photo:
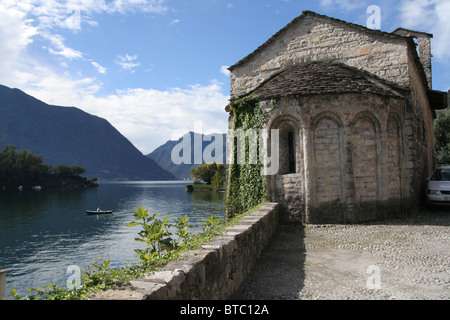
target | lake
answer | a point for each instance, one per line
(43, 232)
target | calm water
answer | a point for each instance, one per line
(43, 232)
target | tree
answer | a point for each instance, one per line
(442, 136)
(207, 171)
(22, 167)
(62, 170)
(27, 169)
(78, 170)
(218, 181)
(68, 171)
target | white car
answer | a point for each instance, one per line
(438, 190)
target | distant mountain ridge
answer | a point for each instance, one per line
(69, 136)
(162, 155)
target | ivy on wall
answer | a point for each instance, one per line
(246, 185)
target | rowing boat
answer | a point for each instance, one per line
(98, 211)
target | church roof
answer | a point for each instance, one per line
(325, 77)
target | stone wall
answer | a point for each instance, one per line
(214, 272)
(423, 48)
(316, 39)
(352, 160)
(290, 196)
(419, 133)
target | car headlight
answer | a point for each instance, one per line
(433, 192)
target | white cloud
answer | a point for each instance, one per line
(70, 13)
(43, 83)
(127, 62)
(148, 117)
(16, 33)
(224, 70)
(175, 21)
(22, 21)
(99, 68)
(121, 6)
(430, 16)
(59, 48)
(343, 5)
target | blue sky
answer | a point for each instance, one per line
(157, 68)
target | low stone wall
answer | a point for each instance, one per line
(214, 272)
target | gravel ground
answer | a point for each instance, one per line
(400, 259)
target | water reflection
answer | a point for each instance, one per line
(43, 232)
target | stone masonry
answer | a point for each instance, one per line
(313, 37)
(354, 117)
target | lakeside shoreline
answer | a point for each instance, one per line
(201, 187)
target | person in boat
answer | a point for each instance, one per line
(98, 210)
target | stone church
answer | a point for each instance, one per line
(354, 109)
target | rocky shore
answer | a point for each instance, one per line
(398, 259)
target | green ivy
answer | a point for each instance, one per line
(246, 185)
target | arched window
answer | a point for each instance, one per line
(287, 148)
(289, 143)
(291, 152)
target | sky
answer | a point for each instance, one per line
(156, 69)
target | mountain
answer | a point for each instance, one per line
(69, 136)
(163, 154)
